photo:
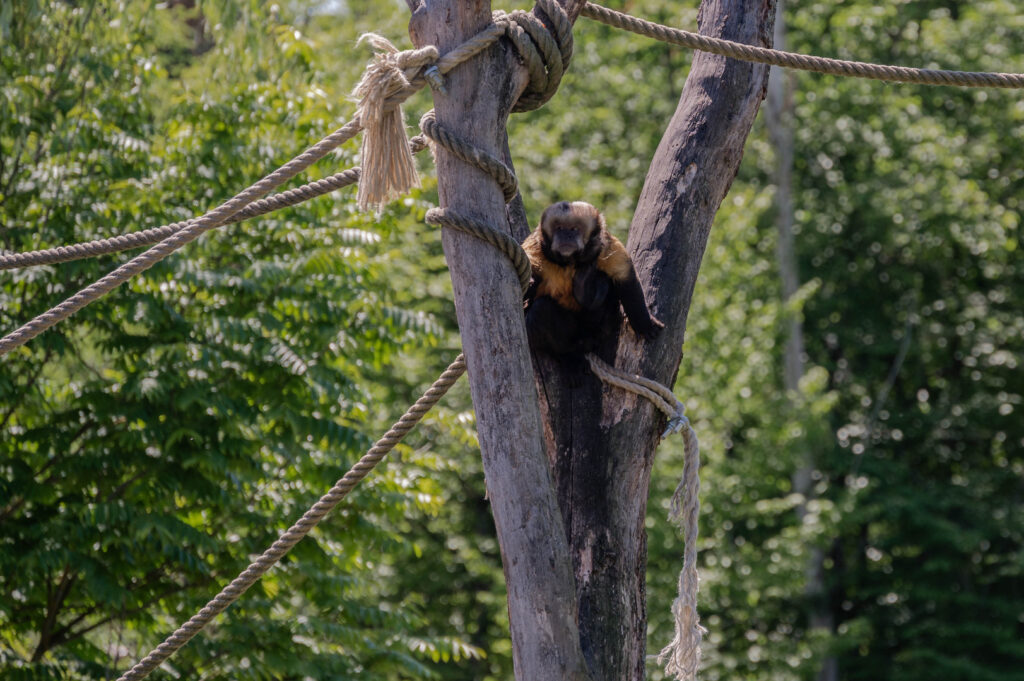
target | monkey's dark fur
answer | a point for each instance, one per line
(581, 274)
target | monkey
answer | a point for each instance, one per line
(580, 275)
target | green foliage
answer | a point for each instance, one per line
(163, 436)
(167, 433)
(910, 214)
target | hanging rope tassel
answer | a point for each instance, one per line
(681, 657)
(388, 169)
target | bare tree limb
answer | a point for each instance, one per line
(600, 440)
(535, 553)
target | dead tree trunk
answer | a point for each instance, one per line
(600, 442)
(488, 303)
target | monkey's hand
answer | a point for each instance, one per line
(590, 287)
(531, 291)
(649, 330)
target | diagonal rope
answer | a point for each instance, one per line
(309, 520)
(210, 220)
(301, 528)
(802, 62)
(146, 237)
(390, 92)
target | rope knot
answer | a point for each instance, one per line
(545, 50)
(388, 168)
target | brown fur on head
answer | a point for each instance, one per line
(580, 276)
(572, 232)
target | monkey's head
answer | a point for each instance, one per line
(571, 232)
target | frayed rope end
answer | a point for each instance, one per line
(388, 170)
(682, 656)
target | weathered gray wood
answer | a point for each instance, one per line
(488, 302)
(601, 441)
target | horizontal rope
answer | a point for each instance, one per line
(301, 528)
(146, 237)
(802, 62)
(210, 220)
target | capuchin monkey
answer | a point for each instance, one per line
(581, 274)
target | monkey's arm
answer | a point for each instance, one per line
(590, 287)
(631, 295)
(615, 262)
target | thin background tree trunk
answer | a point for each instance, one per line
(779, 118)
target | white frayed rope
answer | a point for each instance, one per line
(387, 166)
(681, 657)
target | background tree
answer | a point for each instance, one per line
(919, 537)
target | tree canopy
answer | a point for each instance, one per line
(157, 440)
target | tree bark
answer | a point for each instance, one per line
(600, 443)
(601, 440)
(488, 303)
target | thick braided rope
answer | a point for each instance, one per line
(124, 242)
(226, 210)
(546, 50)
(681, 657)
(301, 528)
(502, 174)
(763, 55)
(446, 217)
(471, 154)
(210, 220)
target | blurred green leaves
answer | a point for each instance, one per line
(153, 444)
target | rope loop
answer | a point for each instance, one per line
(446, 217)
(501, 173)
(545, 50)
(471, 154)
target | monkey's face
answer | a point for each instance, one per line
(568, 230)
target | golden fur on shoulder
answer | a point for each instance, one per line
(552, 280)
(556, 280)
